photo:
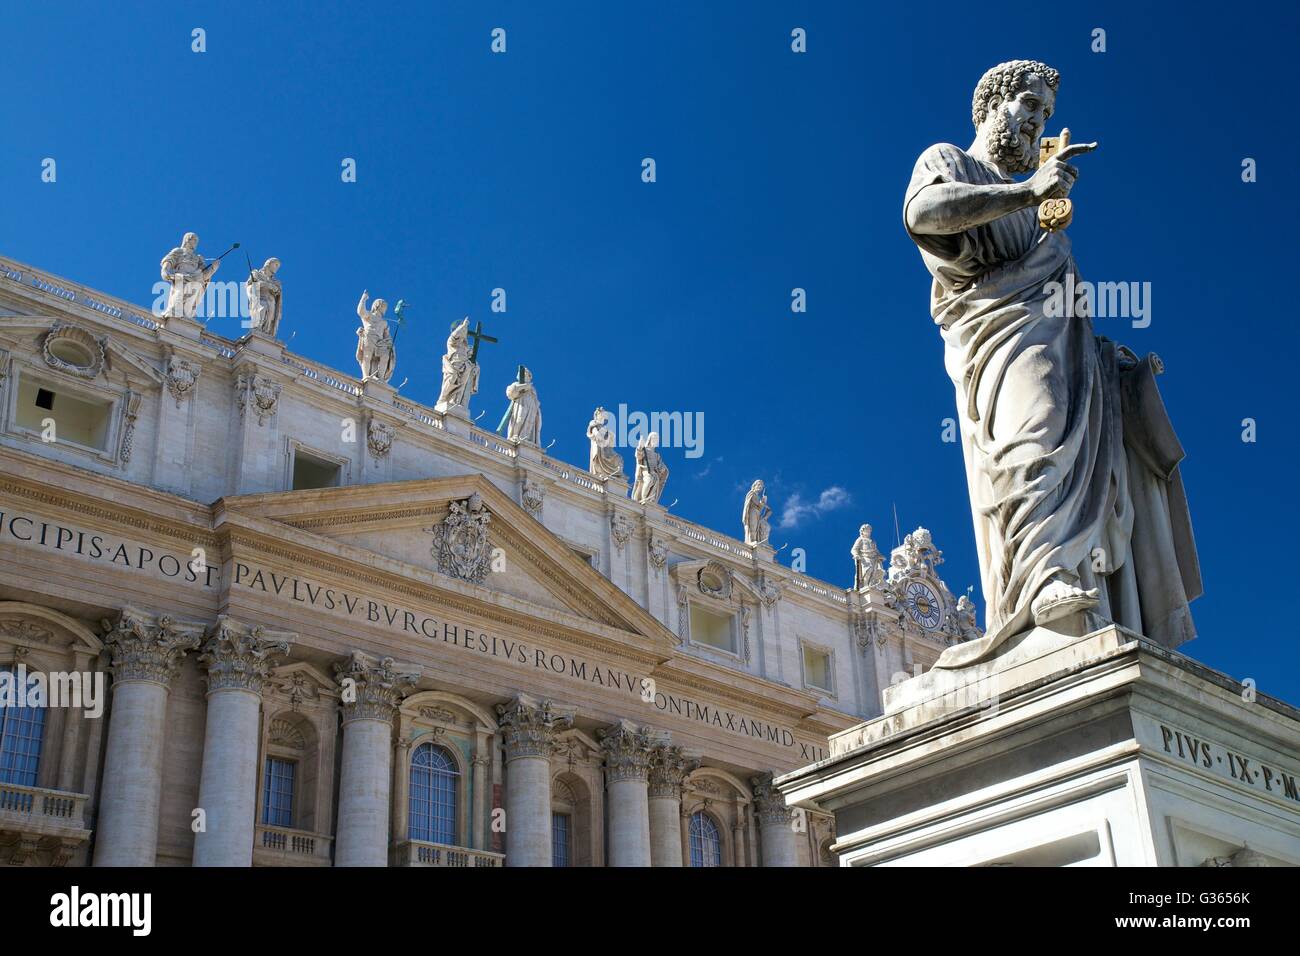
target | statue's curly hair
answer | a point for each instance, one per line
(1006, 80)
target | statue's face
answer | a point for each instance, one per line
(1013, 126)
(271, 266)
(865, 531)
(380, 306)
(190, 241)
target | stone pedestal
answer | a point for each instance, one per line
(146, 654)
(1095, 749)
(237, 658)
(370, 692)
(529, 727)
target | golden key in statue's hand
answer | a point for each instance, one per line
(1056, 212)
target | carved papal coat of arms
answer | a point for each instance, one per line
(460, 542)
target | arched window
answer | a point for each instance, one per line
(706, 841)
(21, 730)
(434, 779)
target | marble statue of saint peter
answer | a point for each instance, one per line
(1071, 462)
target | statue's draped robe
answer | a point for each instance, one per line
(605, 462)
(525, 413)
(459, 374)
(188, 287)
(753, 518)
(375, 350)
(1070, 459)
(264, 301)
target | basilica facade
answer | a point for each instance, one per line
(256, 611)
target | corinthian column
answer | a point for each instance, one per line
(627, 766)
(145, 655)
(668, 768)
(237, 657)
(774, 817)
(529, 727)
(371, 691)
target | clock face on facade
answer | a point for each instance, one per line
(923, 605)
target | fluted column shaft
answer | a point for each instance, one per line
(146, 654)
(237, 658)
(529, 727)
(370, 693)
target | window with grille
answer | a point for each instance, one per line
(560, 830)
(706, 841)
(434, 777)
(277, 792)
(21, 732)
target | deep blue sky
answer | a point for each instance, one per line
(775, 170)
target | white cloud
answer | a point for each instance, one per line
(796, 510)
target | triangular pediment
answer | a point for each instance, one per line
(403, 522)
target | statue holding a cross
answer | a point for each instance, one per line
(460, 369)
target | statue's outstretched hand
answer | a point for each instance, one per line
(1056, 177)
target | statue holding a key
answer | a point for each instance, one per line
(1071, 462)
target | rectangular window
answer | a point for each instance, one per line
(309, 472)
(712, 629)
(277, 792)
(21, 731)
(817, 669)
(81, 421)
(559, 839)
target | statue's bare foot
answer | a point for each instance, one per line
(1058, 600)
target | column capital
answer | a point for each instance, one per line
(627, 748)
(669, 768)
(529, 726)
(372, 688)
(148, 647)
(769, 802)
(238, 655)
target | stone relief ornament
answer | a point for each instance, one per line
(144, 647)
(769, 592)
(605, 462)
(868, 562)
(651, 472)
(71, 349)
(259, 394)
(375, 352)
(1072, 462)
(237, 655)
(438, 713)
(371, 689)
(620, 529)
(460, 542)
(284, 734)
(656, 551)
(265, 300)
(529, 726)
(754, 515)
(715, 580)
(130, 413)
(459, 371)
(533, 496)
(188, 275)
(628, 748)
(182, 376)
(379, 438)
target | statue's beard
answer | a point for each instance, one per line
(1008, 148)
